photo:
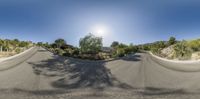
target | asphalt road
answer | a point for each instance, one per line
(43, 75)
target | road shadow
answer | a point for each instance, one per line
(149, 91)
(131, 57)
(41, 50)
(77, 73)
(33, 92)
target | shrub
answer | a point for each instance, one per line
(17, 50)
(59, 51)
(194, 45)
(66, 53)
(90, 44)
(120, 52)
(59, 42)
(155, 50)
(182, 51)
(172, 40)
(75, 52)
(114, 44)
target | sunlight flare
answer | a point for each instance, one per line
(100, 30)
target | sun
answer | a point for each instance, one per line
(100, 30)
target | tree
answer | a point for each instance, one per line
(23, 44)
(53, 45)
(60, 42)
(90, 44)
(172, 40)
(114, 44)
(132, 48)
(46, 45)
(39, 43)
(15, 43)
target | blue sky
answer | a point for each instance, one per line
(127, 21)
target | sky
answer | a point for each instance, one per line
(126, 21)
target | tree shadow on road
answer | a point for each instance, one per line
(150, 91)
(131, 57)
(76, 73)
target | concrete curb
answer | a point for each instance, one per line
(14, 56)
(10, 62)
(185, 66)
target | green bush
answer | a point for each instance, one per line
(17, 50)
(130, 49)
(172, 40)
(182, 51)
(59, 51)
(194, 45)
(155, 50)
(90, 44)
(75, 52)
(66, 54)
(122, 50)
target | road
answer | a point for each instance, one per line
(43, 75)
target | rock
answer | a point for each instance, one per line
(168, 52)
(196, 56)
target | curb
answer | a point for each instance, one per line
(14, 56)
(184, 66)
(10, 62)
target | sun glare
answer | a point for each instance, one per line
(99, 31)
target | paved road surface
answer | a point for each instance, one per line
(43, 75)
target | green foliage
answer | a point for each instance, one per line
(11, 45)
(145, 47)
(153, 46)
(114, 44)
(90, 44)
(122, 50)
(53, 45)
(157, 46)
(39, 44)
(194, 45)
(172, 40)
(59, 42)
(66, 53)
(71, 52)
(182, 51)
(46, 45)
(155, 50)
(59, 51)
(23, 44)
(75, 52)
(17, 50)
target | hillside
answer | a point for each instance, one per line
(184, 50)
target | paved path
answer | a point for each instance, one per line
(47, 76)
